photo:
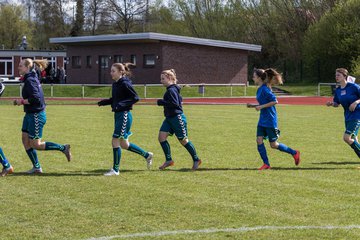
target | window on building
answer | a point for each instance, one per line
(6, 67)
(51, 61)
(133, 59)
(76, 61)
(118, 59)
(149, 60)
(88, 61)
(104, 61)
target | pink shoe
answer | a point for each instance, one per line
(296, 157)
(264, 167)
(167, 164)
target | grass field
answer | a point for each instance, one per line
(74, 201)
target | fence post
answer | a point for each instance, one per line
(145, 90)
(51, 91)
(318, 92)
(231, 90)
(83, 90)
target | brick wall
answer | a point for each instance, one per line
(202, 64)
(95, 74)
(193, 63)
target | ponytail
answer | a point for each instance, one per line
(273, 77)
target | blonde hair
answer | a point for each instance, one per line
(343, 71)
(41, 63)
(170, 74)
(124, 67)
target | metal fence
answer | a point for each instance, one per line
(202, 88)
(330, 89)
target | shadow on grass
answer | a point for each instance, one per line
(255, 169)
(96, 172)
(338, 163)
(100, 172)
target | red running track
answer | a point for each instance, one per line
(293, 100)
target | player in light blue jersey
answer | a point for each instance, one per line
(348, 95)
(268, 126)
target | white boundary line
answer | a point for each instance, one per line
(214, 230)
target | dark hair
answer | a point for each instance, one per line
(273, 76)
(260, 73)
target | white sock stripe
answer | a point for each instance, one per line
(214, 230)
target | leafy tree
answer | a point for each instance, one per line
(51, 20)
(335, 40)
(13, 26)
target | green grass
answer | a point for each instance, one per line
(74, 201)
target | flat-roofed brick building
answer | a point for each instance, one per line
(195, 60)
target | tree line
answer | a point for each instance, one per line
(305, 39)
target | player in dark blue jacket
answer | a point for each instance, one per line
(123, 98)
(348, 95)
(175, 120)
(268, 126)
(7, 168)
(35, 116)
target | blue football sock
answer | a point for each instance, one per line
(117, 157)
(356, 146)
(33, 157)
(54, 146)
(136, 149)
(166, 148)
(263, 154)
(284, 148)
(191, 149)
(3, 159)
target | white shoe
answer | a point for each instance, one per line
(112, 172)
(149, 160)
(35, 171)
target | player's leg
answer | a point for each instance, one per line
(7, 168)
(31, 152)
(36, 127)
(260, 135)
(179, 124)
(125, 122)
(116, 157)
(273, 134)
(165, 131)
(350, 135)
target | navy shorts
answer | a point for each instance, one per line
(268, 133)
(352, 128)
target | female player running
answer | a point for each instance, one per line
(122, 100)
(175, 120)
(348, 95)
(267, 126)
(35, 116)
(7, 168)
